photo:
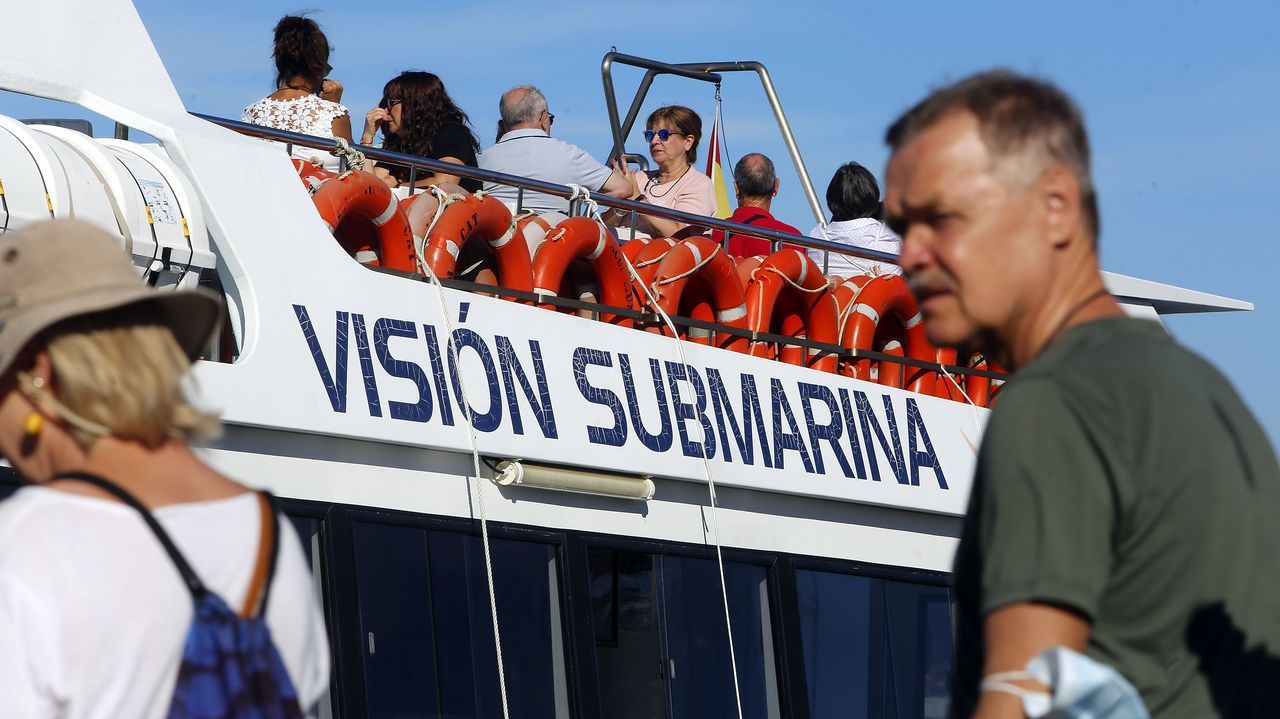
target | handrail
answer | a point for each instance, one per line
(706, 72)
(644, 319)
(551, 188)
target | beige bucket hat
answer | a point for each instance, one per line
(61, 269)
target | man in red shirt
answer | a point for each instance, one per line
(756, 184)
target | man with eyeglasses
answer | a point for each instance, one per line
(525, 148)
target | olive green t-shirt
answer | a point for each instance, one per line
(1121, 476)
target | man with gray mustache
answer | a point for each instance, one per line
(1124, 499)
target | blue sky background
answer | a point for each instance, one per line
(1182, 100)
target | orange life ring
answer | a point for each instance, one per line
(356, 193)
(788, 274)
(645, 255)
(533, 229)
(691, 273)
(877, 297)
(311, 174)
(977, 388)
(886, 373)
(747, 265)
(584, 237)
(479, 216)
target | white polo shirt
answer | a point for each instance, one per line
(535, 154)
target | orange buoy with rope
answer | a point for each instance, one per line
(362, 195)
(747, 265)
(311, 174)
(788, 275)
(645, 255)
(477, 217)
(584, 237)
(860, 315)
(697, 274)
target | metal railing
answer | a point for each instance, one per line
(642, 318)
(550, 188)
(705, 72)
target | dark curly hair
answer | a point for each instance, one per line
(300, 49)
(425, 107)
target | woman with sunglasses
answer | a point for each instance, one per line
(417, 117)
(304, 101)
(673, 133)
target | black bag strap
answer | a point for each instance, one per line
(194, 585)
(193, 582)
(753, 219)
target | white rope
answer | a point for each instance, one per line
(655, 260)
(711, 485)
(443, 200)
(843, 318)
(690, 271)
(344, 150)
(465, 406)
(760, 290)
(582, 195)
(814, 290)
(973, 408)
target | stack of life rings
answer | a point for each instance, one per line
(766, 298)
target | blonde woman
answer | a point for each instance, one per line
(94, 611)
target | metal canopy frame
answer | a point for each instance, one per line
(705, 72)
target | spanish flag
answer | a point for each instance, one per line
(716, 171)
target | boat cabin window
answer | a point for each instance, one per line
(661, 642)
(874, 647)
(425, 624)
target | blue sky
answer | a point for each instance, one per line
(1181, 99)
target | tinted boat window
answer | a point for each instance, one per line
(424, 599)
(918, 649)
(624, 600)
(393, 591)
(835, 630)
(874, 647)
(701, 677)
(661, 643)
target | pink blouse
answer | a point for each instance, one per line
(691, 192)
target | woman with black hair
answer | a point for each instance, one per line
(304, 101)
(854, 200)
(417, 117)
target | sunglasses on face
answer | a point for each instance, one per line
(389, 102)
(663, 135)
(551, 118)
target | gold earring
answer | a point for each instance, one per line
(33, 424)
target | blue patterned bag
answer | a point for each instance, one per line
(230, 668)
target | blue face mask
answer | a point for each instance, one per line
(1081, 688)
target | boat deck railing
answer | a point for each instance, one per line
(640, 317)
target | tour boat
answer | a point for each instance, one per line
(647, 526)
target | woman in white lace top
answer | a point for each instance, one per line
(305, 101)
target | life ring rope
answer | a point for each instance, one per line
(698, 263)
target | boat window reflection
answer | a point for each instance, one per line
(661, 643)
(874, 647)
(424, 618)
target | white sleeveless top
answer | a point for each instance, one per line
(94, 615)
(308, 115)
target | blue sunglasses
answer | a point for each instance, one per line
(663, 134)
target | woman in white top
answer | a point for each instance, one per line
(94, 614)
(854, 200)
(673, 133)
(304, 101)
